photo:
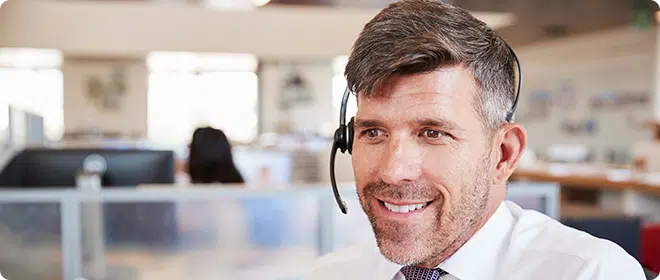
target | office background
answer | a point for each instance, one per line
(132, 80)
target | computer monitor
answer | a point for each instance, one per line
(543, 197)
(57, 168)
(142, 223)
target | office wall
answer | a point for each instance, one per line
(82, 111)
(576, 71)
(111, 110)
(310, 117)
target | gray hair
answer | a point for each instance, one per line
(417, 36)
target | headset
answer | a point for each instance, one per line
(343, 138)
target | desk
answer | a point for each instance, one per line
(212, 264)
(204, 264)
(634, 193)
(590, 180)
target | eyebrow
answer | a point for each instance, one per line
(439, 123)
(360, 123)
(429, 122)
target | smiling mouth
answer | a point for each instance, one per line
(405, 208)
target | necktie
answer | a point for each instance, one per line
(419, 273)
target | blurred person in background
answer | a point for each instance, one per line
(210, 159)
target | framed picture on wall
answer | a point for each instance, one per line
(616, 99)
(108, 91)
(580, 127)
(538, 106)
(566, 97)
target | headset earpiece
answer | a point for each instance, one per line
(350, 131)
(340, 138)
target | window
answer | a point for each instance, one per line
(338, 87)
(32, 81)
(188, 90)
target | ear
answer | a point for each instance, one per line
(512, 139)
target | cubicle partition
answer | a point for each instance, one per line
(229, 233)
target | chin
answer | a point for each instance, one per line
(403, 244)
(404, 253)
(406, 235)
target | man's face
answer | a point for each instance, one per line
(422, 164)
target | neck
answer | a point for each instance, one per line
(494, 203)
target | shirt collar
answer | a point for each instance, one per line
(384, 268)
(478, 257)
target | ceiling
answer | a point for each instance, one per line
(536, 20)
(540, 20)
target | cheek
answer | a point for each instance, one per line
(364, 165)
(450, 170)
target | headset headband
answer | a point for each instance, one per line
(512, 111)
(344, 104)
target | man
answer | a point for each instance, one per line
(432, 154)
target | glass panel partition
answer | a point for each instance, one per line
(352, 228)
(30, 240)
(191, 233)
(170, 235)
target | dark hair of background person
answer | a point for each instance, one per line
(418, 36)
(210, 159)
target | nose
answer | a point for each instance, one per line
(401, 162)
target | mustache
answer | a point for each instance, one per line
(411, 191)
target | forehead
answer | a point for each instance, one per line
(445, 92)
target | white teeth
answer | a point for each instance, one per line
(404, 208)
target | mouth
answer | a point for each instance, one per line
(404, 208)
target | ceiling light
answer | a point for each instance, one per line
(257, 2)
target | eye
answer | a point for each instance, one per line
(372, 133)
(432, 134)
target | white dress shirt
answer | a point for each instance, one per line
(514, 244)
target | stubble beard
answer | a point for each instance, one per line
(408, 244)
